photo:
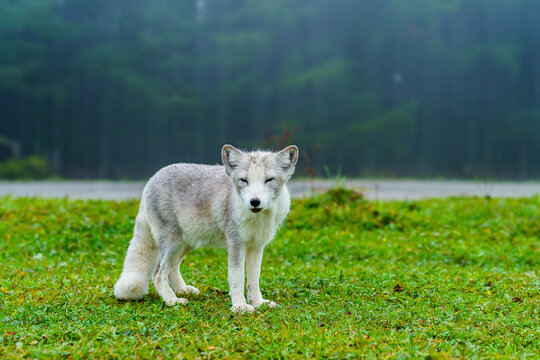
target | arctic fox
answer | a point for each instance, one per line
(239, 205)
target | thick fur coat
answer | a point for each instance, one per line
(239, 205)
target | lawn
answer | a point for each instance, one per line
(444, 278)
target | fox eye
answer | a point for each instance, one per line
(268, 180)
(243, 181)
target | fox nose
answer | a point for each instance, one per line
(255, 202)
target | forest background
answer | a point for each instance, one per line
(422, 88)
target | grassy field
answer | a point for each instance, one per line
(427, 279)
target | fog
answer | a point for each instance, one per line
(426, 88)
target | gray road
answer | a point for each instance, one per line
(373, 189)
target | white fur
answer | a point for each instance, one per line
(187, 206)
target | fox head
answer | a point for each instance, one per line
(258, 177)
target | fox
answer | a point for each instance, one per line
(239, 205)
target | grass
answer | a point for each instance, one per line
(445, 278)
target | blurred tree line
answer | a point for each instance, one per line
(118, 88)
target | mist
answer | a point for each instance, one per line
(426, 88)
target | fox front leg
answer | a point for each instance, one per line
(237, 258)
(253, 264)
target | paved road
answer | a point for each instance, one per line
(373, 189)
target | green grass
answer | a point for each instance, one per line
(436, 279)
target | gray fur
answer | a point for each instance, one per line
(186, 206)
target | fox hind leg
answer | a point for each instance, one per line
(175, 277)
(170, 248)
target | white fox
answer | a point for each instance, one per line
(239, 205)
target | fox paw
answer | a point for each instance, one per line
(270, 304)
(188, 290)
(172, 302)
(241, 309)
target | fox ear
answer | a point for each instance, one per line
(287, 158)
(231, 157)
